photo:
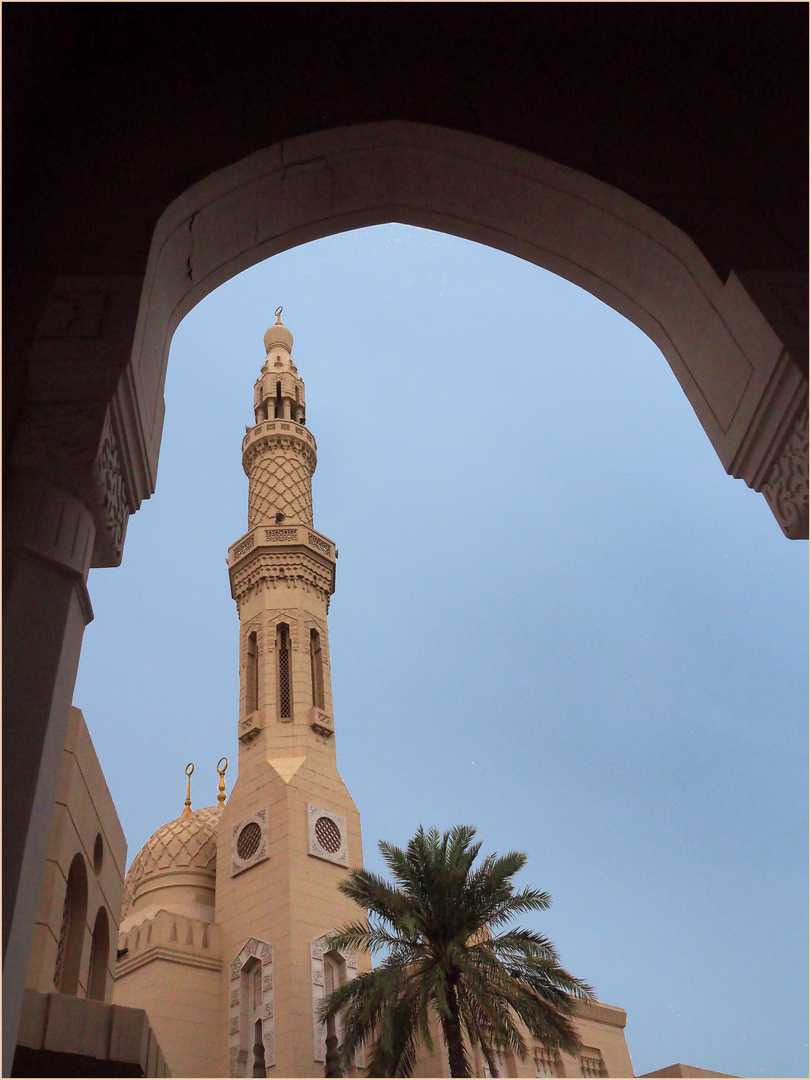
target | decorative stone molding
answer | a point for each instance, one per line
(276, 536)
(82, 426)
(786, 486)
(249, 842)
(174, 938)
(319, 947)
(75, 447)
(267, 569)
(112, 503)
(321, 722)
(319, 544)
(279, 539)
(713, 333)
(263, 952)
(327, 835)
(251, 725)
(50, 523)
(243, 547)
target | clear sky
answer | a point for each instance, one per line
(556, 618)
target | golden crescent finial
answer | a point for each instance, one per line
(187, 808)
(221, 770)
(278, 314)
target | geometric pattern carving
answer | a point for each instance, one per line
(786, 487)
(280, 482)
(319, 544)
(272, 568)
(263, 952)
(111, 503)
(327, 837)
(249, 842)
(318, 948)
(184, 842)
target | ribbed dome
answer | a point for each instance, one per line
(278, 335)
(175, 854)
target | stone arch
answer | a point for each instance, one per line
(322, 952)
(72, 934)
(740, 378)
(257, 955)
(99, 956)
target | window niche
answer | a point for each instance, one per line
(71, 936)
(284, 665)
(99, 957)
(316, 669)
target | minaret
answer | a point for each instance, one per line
(290, 830)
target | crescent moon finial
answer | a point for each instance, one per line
(221, 770)
(187, 808)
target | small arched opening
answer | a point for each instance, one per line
(99, 957)
(72, 932)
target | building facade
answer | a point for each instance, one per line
(227, 910)
(628, 169)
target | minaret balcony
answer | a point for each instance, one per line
(277, 427)
(282, 551)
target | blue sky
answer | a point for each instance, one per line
(556, 618)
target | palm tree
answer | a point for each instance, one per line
(443, 926)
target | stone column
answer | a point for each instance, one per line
(78, 466)
(47, 550)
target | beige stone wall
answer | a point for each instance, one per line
(83, 811)
(289, 898)
(182, 1000)
(601, 1029)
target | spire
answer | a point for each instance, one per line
(187, 808)
(278, 335)
(221, 770)
(279, 452)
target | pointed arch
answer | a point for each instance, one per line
(72, 933)
(747, 391)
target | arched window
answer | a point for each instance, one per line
(317, 669)
(71, 936)
(283, 672)
(252, 1052)
(99, 957)
(252, 674)
(334, 976)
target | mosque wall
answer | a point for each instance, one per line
(87, 842)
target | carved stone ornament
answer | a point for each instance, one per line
(261, 950)
(249, 842)
(786, 487)
(113, 504)
(327, 835)
(318, 949)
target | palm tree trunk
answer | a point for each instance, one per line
(452, 1028)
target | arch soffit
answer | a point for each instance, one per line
(727, 358)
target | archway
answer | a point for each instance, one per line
(72, 934)
(740, 379)
(747, 391)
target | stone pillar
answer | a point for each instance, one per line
(47, 550)
(80, 463)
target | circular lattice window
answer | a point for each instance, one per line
(328, 835)
(248, 840)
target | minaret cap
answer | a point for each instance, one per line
(278, 334)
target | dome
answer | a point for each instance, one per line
(278, 335)
(176, 868)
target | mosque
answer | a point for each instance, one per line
(222, 954)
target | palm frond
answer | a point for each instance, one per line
(451, 953)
